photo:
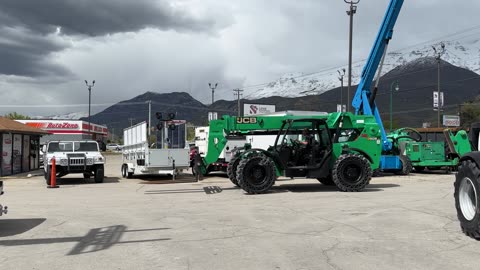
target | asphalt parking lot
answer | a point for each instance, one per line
(406, 222)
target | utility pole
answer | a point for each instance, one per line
(340, 77)
(397, 87)
(89, 86)
(149, 118)
(213, 87)
(238, 93)
(438, 56)
(350, 12)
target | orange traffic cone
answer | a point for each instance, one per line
(53, 175)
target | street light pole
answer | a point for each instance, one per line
(89, 103)
(350, 12)
(340, 77)
(438, 56)
(397, 87)
(213, 87)
(149, 118)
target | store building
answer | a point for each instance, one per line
(20, 147)
(68, 130)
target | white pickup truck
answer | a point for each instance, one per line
(3, 209)
(74, 157)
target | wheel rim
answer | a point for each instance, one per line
(257, 174)
(352, 173)
(468, 199)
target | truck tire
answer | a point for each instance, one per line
(406, 166)
(48, 174)
(327, 181)
(124, 171)
(351, 172)
(99, 174)
(467, 201)
(256, 174)
(232, 170)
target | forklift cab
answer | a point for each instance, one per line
(301, 156)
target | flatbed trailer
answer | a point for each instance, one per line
(138, 158)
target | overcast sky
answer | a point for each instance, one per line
(49, 47)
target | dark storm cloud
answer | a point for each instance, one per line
(32, 30)
(24, 53)
(94, 18)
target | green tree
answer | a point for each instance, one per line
(470, 112)
(17, 116)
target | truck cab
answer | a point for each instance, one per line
(74, 157)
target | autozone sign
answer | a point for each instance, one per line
(64, 125)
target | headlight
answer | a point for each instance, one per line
(89, 161)
(99, 159)
(63, 162)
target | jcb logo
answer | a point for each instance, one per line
(246, 120)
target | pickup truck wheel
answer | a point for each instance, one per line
(47, 175)
(467, 199)
(351, 172)
(99, 174)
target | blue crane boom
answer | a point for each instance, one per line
(364, 99)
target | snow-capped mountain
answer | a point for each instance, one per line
(69, 116)
(465, 54)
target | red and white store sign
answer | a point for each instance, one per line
(66, 126)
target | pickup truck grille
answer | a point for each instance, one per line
(77, 161)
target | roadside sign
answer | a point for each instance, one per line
(451, 120)
(212, 116)
(438, 99)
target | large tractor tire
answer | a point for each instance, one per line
(232, 170)
(99, 174)
(406, 166)
(327, 181)
(467, 201)
(256, 174)
(351, 172)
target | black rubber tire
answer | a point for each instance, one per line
(419, 168)
(232, 170)
(256, 174)
(406, 166)
(47, 175)
(468, 170)
(327, 181)
(351, 172)
(124, 171)
(99, 174)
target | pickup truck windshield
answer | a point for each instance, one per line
(72, 147)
